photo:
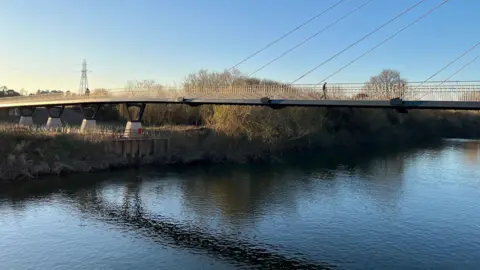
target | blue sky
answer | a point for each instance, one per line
(43, 43)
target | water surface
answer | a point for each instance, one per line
(416, 209)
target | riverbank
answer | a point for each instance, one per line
(312, 203)
(29, 154)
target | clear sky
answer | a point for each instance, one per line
(43, 43)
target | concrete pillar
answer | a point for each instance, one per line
(89, 111)
(54, 114)
(54, 122)
(133, 129)
(89, 122)
(134, 125)
(88, 125)
(26, 114)
(26, 121)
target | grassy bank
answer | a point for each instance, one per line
(239, 134)
(242, 138)
(29, 154)
(295, 127)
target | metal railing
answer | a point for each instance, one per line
(431, 92)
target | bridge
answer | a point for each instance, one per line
(400, 96)
(445, 96)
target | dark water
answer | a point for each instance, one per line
(416, 209)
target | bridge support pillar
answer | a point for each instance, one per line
(134, 125)
(26, 121)
(89, 122)
(88, 125)
(54, 114)
(54, 123)
(398, 103)
(26, 118)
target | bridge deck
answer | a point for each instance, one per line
(447, 105)
(455, 97)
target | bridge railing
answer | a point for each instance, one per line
(444, 92)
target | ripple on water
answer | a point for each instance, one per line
(411, 210)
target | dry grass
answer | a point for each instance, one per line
(236, 133)
(100, 134)
(305, 126)
(28, 152)
(239, 134)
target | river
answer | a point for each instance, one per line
(415, 209)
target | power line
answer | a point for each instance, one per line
(387, 39)
(311, 37)
(287, 34)
(360, 40)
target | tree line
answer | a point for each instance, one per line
(8, 92)
(278, 127)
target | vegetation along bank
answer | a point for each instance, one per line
(217, 134)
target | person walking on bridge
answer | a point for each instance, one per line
(325, 90)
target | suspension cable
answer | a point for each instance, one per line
(452, 62)
(446, 66)
(311, 37)
(461, 69)
(385, 40)
(360, 40)
(287, 34)
(455, 73)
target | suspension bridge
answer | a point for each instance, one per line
(451, 95)
(401, 96)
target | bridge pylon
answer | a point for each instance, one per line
(134, 124)
(54, 114)
(89, 112)
(26, 116)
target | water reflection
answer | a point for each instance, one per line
(158, 228)
(338, 208)
(471, 151)
(242, 195)
(239, 195)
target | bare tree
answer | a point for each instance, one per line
(146, 84)
(204, 79)
(387, 84)
(227, 82)
(3, 90)
(100, 92)
(136, 86)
